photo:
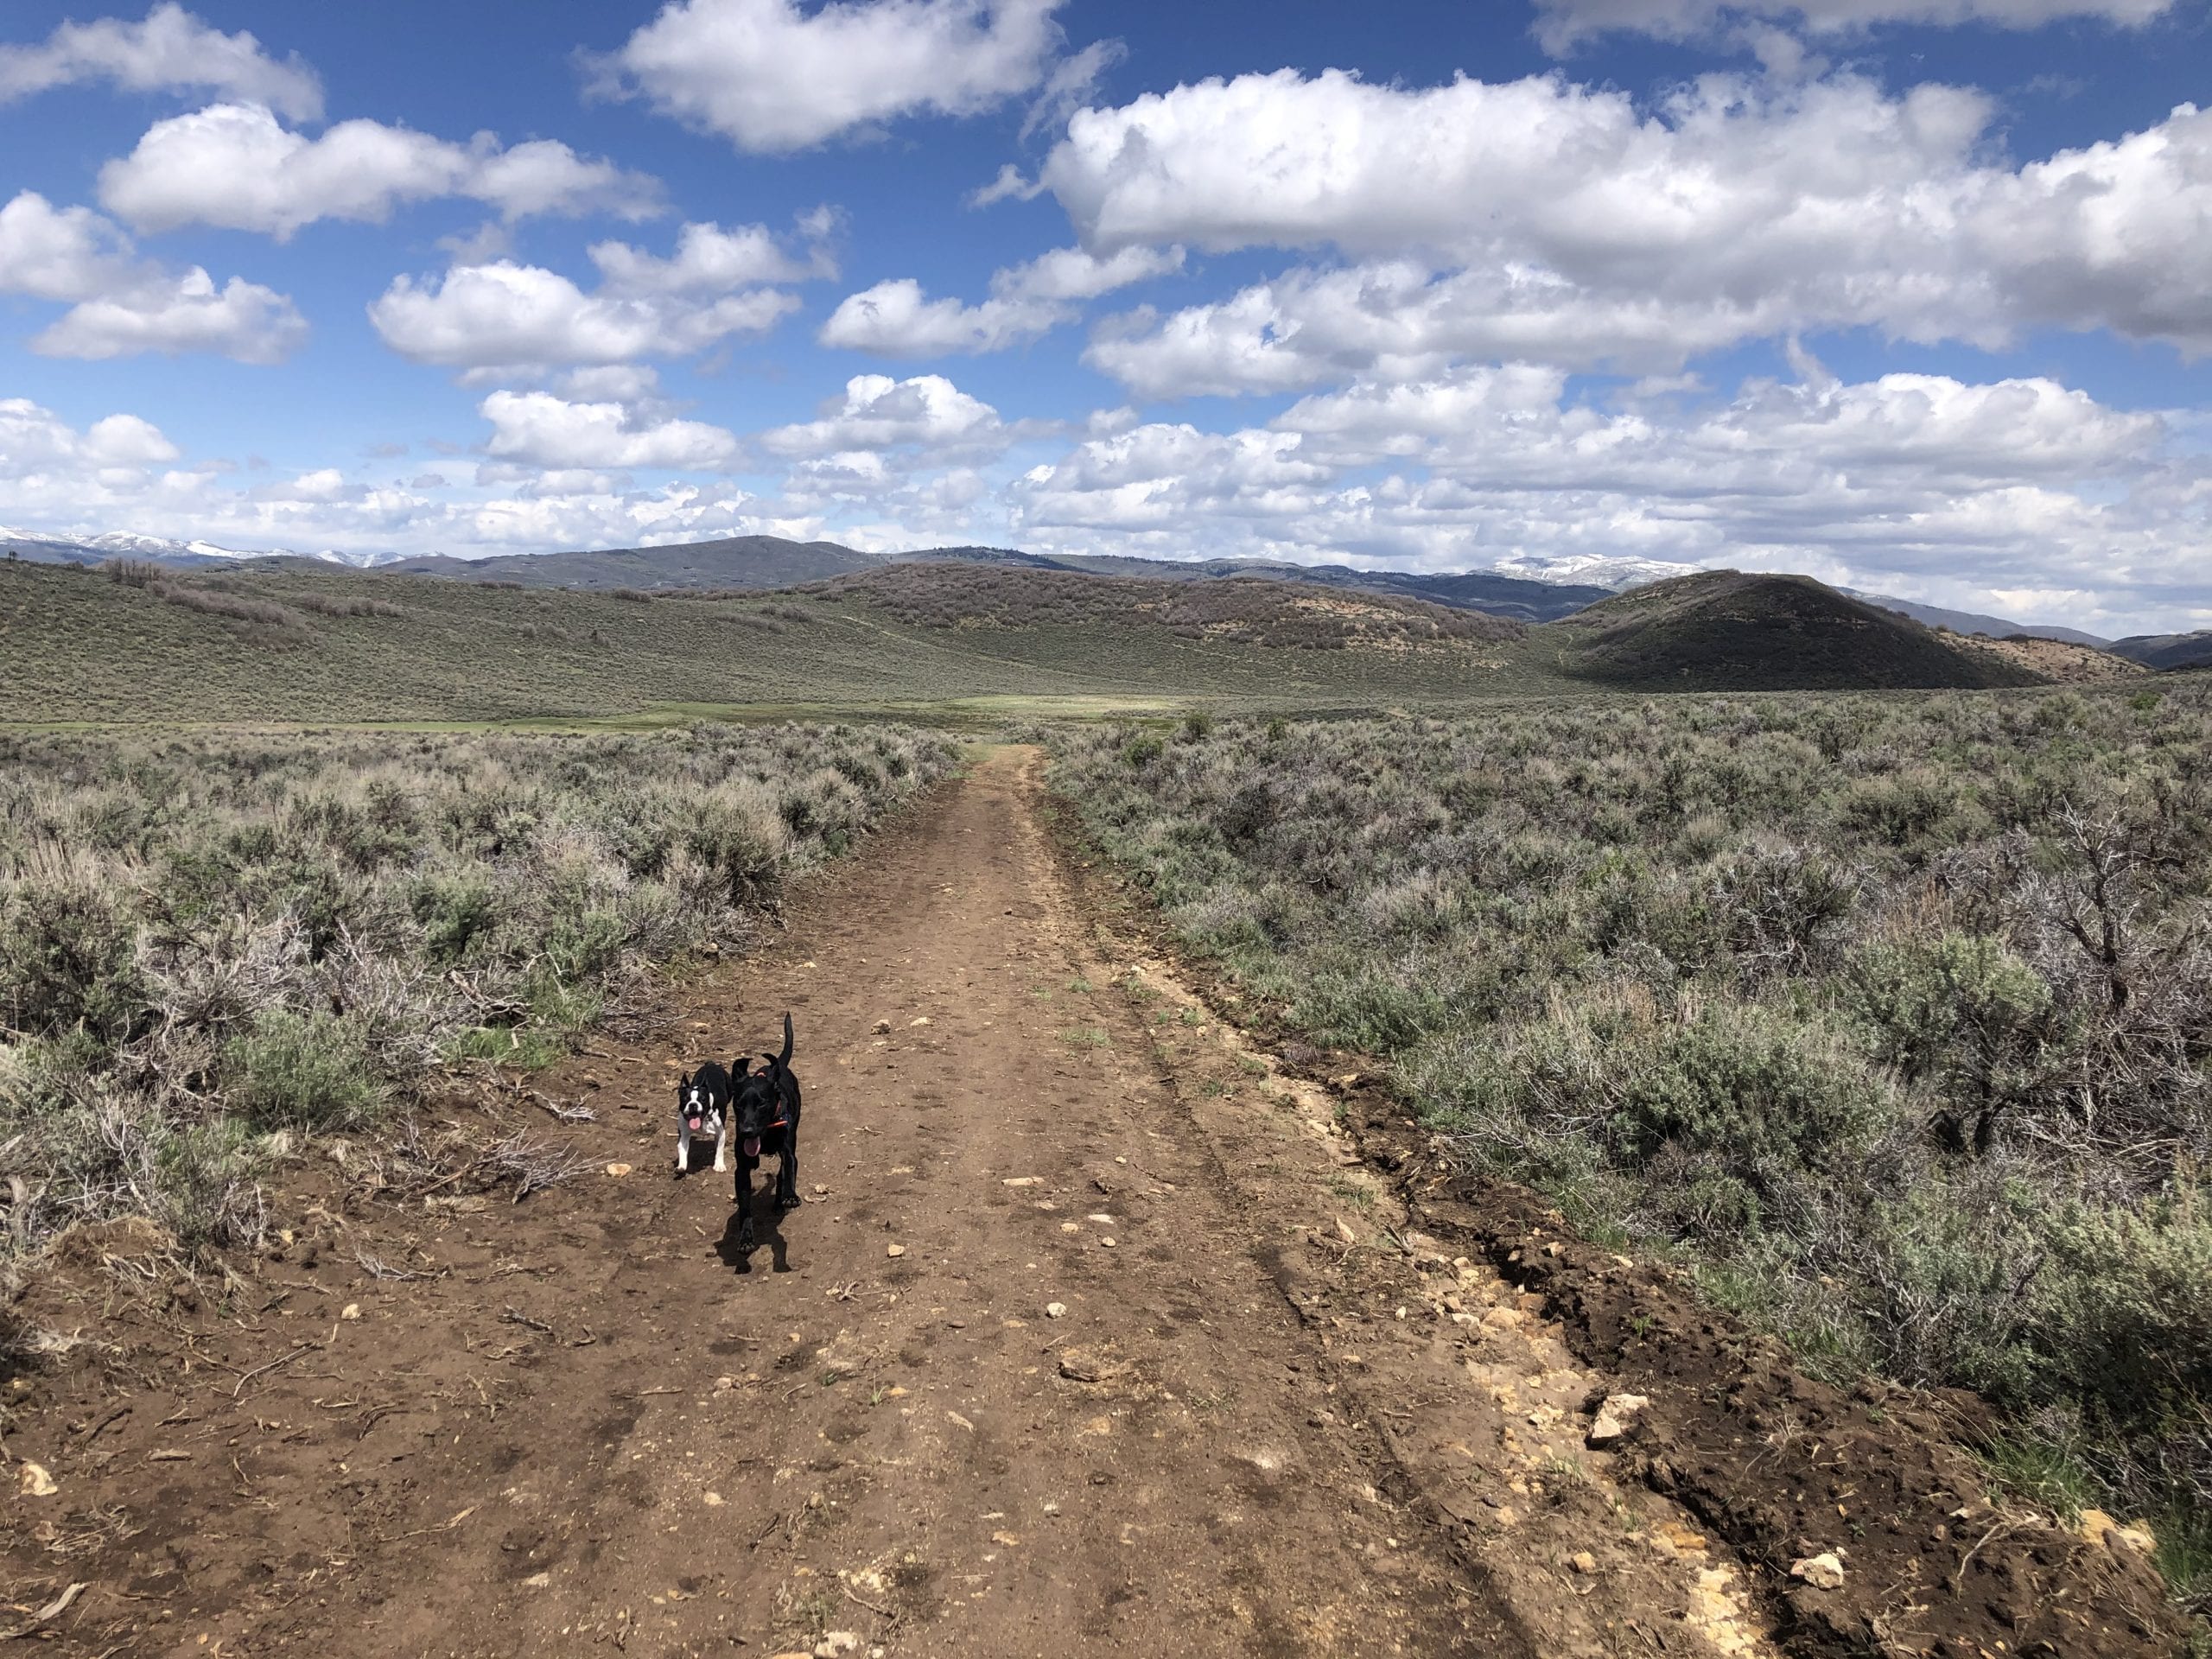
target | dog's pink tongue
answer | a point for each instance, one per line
(753, 1146)
(695, 1123)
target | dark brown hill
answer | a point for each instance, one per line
(2168, 650)
(1730, 630)
(757, 561)
(1245, 610)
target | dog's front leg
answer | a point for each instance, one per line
(721, 1149)
(682, 1147)
(787, 1177)
(744, 1208)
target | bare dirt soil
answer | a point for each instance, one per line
(1103, 1329)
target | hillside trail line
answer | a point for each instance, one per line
(1090, 1338)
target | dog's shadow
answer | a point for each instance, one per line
(767, 1229)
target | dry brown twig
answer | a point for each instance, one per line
(282, 1359)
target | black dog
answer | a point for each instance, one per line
(763, 1117)
(702, 1114)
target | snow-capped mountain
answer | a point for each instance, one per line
(1593, 569)
(122, 543)
(358, 560)
(45, 546)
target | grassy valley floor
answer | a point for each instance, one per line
(310, 646)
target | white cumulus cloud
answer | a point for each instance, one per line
(170, 51)
(542, 430)
(53, 475)
(58, 253)
(508, 316)
(121, 305)
(711, 260)
(1541, 219)
(877, 413)
(771, 76)
(33, 439)
(237, 167)
(240, 320)
(1922, 484)
(898, 318)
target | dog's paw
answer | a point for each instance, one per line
(788, 1200)
(720, 1168)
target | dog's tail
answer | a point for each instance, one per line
(784, 1058)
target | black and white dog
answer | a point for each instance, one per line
(765, 1116)
(702, 1114)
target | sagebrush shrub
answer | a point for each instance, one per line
(2123, 1309)
(204, 940)
(204, 1183)
(459, 913)
(1846, 998)
(1962, 1013)
(744, 837)
(306, 1071)
(67, 959)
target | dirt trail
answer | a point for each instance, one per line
(1268, 1419)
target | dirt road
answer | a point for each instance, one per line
(1096, 1334)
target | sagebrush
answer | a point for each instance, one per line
(207, 943)
(1889, 1017)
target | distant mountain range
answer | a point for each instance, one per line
(116, 545)
(1528, 590)
(2167, 650)
(2151, 649)
(41, 548)
(1594, 571)
(1532, 590)
(756, 562)
(734, 562)
(1993, 628)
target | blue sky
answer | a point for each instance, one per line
(1908, 294)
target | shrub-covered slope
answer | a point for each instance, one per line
(733, 562)
(205, 943)
(2167, 650)
(1249, 610)
(1892, 1016)
(760, 562)
(1724, 630)
(302, 644)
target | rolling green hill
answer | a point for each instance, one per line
(755, 561)
(734, 562)
(1728, 631)
(289, 643)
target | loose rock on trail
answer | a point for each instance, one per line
(1097, 1331)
